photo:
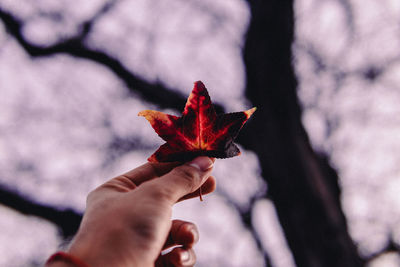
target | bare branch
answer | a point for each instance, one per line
(67, 220)
(390, 247)
(246, 217)
(155, 93)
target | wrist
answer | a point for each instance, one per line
(63, 259)
(110, 249)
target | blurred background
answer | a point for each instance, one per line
(317, 183)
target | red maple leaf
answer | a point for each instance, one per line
(199, 132)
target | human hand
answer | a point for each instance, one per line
(127, 221)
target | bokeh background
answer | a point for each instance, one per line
(317, 183)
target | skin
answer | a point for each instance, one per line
(127, 221)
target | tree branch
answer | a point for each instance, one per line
(390, 247)
(67, 220)
(155, 93)
(246, 217)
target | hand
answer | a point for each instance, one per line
(127, 221)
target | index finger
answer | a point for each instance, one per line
(149, 171)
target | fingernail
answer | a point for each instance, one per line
(201, 163)
(185, 256)
(195, 234)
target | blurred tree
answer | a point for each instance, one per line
(301, 183)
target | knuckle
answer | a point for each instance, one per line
(91, 195)
(189, 176)
(160, 192)
(145, 230)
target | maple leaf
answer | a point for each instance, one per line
(199, 132)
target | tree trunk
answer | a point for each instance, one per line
(301, 183)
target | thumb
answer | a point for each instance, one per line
(183, 179)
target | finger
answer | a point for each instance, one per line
(182, 233)
(149, 171)
(206, 188)
(130, 180)
(178, 257)
(181, 181)
(145, 172)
